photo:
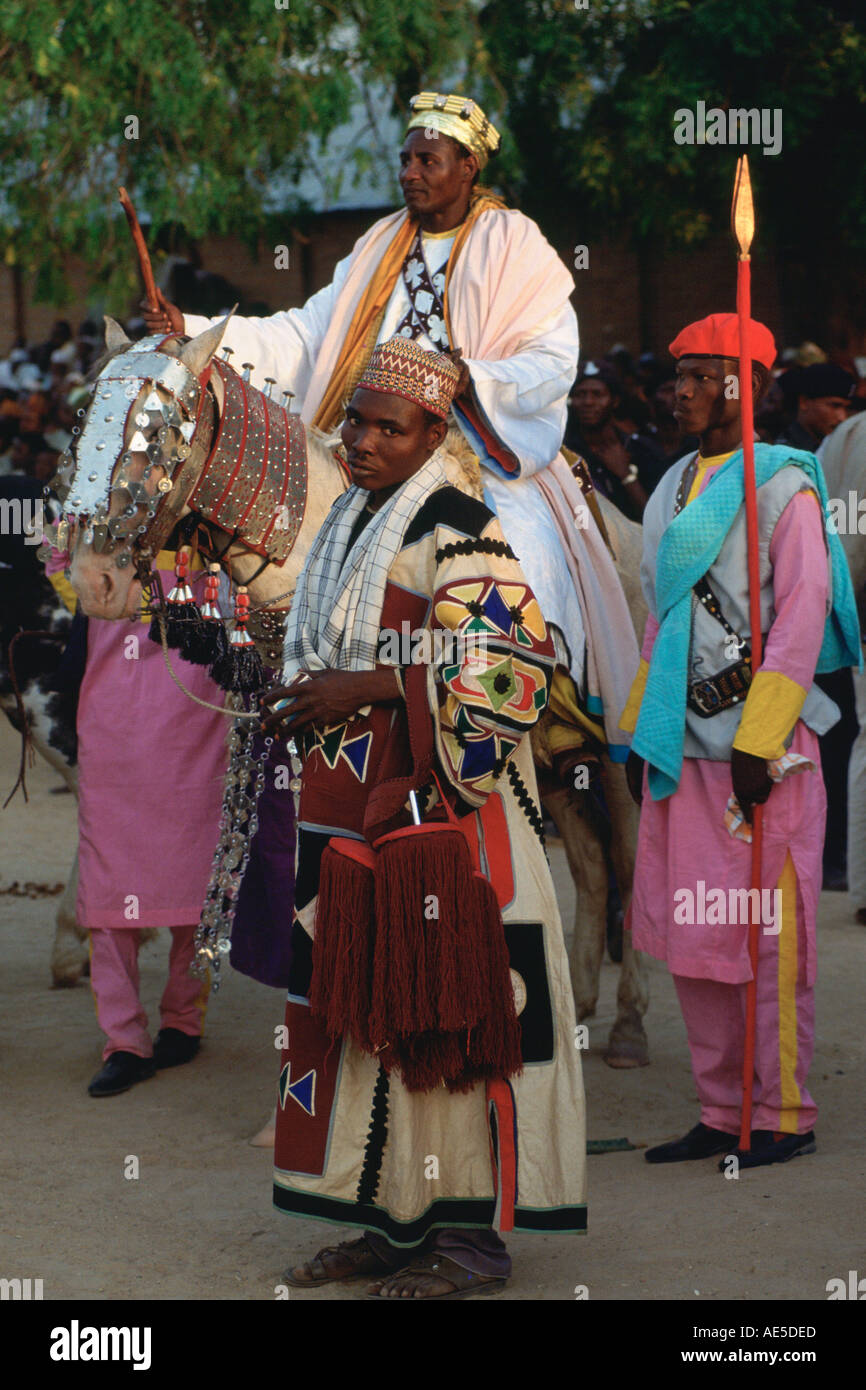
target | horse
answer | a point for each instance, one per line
(174, 434)
(174, 437)
(594, 842)
(37, 691)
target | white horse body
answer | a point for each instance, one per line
(107, 591)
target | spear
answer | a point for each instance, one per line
(743, 226)
(141, 248)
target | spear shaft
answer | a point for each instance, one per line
(743, 222)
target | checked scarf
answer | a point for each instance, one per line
(337, 609)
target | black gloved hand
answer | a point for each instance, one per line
(634, 776)
(751, 781)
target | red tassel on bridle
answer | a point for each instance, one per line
(240, 667)
(181, 611)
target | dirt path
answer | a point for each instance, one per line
(197, 1223)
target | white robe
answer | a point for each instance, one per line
(524, 397)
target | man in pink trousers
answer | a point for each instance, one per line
(711, 739)
(151, 770)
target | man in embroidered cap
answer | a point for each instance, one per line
(712, 739)
(417, 660)
(457, 271)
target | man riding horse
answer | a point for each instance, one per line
(459, 272)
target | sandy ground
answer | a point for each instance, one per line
(198, 1221)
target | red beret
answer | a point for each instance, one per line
(719, 336)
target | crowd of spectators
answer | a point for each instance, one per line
(621, 415)
(41, 388)
(620, 420)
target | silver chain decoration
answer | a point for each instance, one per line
(239, 821)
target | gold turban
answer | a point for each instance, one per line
(458, 117)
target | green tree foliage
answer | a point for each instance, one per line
(228, 93)
(592, 95)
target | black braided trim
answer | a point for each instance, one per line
(368, 1184)
(482, 545)
(526, 803)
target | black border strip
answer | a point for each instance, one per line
(446, 1212)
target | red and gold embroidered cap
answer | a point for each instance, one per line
(719, 336)
(400, 367)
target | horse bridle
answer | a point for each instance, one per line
(86, 499)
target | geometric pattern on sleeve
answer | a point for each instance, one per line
(494, 608)
(496, 684)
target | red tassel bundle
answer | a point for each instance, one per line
(442, 990)
(341, 986)
(426, 976)
(410, 959)
(428, 1061)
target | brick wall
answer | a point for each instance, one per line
(608, 298)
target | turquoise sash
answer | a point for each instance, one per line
(688, 547)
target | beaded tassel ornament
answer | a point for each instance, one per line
(181, 609)
(240, 669)
(206, 642)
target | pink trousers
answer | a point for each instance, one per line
(715, 1016)
(114, 980)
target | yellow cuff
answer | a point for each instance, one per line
(628, 718)
(771, 710)
(64, 589)
(568, 725)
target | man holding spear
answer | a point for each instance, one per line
(749, 595)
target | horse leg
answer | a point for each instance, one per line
(70, 952)
(572, 813)
(627, 1045)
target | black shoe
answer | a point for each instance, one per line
(835, 880)
(172, 1047)
(767, 1148)
(121, 1071)
(700, 1142)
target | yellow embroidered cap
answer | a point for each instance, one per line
(459, 117)
(399, 367)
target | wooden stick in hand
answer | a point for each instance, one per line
(141, 248)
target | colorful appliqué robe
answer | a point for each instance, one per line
(353, 1146)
